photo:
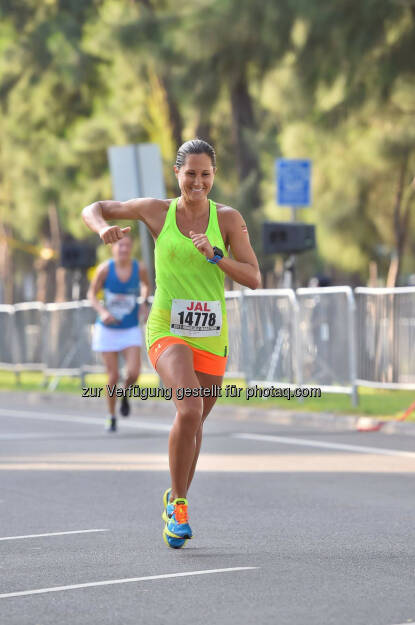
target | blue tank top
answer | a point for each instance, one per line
(121, 297)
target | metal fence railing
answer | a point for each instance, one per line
(327, 337)
(386, 337)
(8, 340)
(28, 332)
(270, 337)
(235, 365)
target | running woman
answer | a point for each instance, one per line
(117, 328)
(186, 335)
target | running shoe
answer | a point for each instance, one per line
(174, 543)
(111, 424)
(168, 509)
(125, 407)
(177, 527)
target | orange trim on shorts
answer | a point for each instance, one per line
(203, 361)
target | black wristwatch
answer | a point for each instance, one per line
(217, 256)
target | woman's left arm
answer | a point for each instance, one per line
(243, 267)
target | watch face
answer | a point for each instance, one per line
(218, 252)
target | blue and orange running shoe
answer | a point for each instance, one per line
(177, 529)
(168, 508)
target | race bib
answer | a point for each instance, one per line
(195, 318)
(119, 304)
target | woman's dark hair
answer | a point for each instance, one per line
(195, 146)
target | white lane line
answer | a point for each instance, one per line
(128, 580)
(17, 436)
(303, 442)
(66, 418)
(52, 534)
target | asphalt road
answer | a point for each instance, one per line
(291, 526)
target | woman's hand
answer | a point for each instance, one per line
(112, 234)
(201, 242)
(107, 318)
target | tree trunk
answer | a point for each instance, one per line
(46, 277)
(203, 129)
(6, 264)
(54, 227)
(393, 272)
(243, 130)
(60, 285)
(401, 223)
(41, 280)
(174, 113)
(373, 274)
(56, 240)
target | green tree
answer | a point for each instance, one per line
(351, 88)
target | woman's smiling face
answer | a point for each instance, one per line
(195, 177)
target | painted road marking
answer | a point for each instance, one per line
(65, 418)
(52, 534)
(304, 442)
(17, 436)
(128, 580)
(274, 460)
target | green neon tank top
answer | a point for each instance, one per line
(183, 273)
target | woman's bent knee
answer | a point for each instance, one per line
(133, 374)
(190, 414)
(112, 379)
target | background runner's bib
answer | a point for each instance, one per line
(120, 298)
(183, 276)
(119, 304)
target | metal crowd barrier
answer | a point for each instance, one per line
(235, 365)
(28, 333)
(386, 337)
(8, 344)
(270, 337)
(326, 337)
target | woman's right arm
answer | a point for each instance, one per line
(97, 215)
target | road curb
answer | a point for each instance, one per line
(317, 420)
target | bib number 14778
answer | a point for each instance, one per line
(196, 318)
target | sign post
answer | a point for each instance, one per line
(137, 171)
(293, 178)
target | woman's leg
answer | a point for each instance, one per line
(132, 356)
(175, 367)
(205, 379)
(111, 363)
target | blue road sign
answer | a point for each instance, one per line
(293, 181)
